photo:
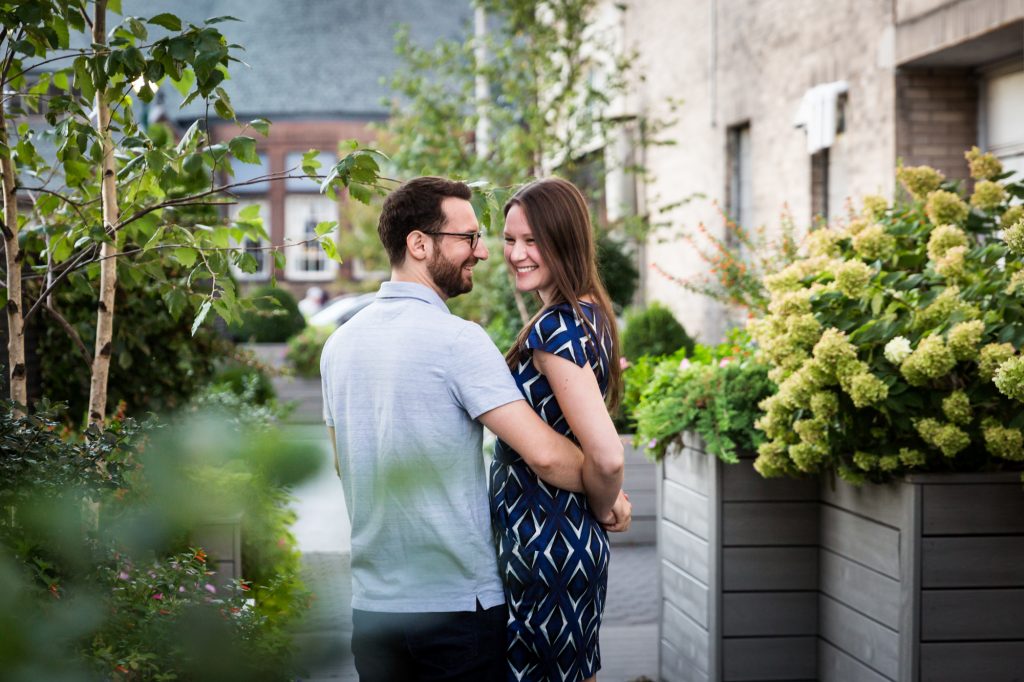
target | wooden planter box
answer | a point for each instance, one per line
(781, 579)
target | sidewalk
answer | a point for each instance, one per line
(629, 647)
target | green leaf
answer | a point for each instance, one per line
(137, 28)
(278, 260)
(217, 20)
(166, 20)
(201, 315)
(360, 193)
(244, 149)
(184, 84)
(250, 212)
(185, 255)
(876, 303)
(175, 300)
(222, 105)
(325, 228)
(247, 263)
(261, 125)
(330, 249)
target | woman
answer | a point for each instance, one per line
(552, 549)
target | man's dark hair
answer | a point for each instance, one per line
(416, 205)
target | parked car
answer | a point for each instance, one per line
(340, 310)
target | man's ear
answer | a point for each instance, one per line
(416, 245)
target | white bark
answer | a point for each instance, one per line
(15, 315)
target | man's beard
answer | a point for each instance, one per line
(448, 276)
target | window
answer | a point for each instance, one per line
(829, 171)
(306, 261)
(738, 193)
(253, 247)
(250, 171)
(1002, 126)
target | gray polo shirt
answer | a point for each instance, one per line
(403, 382)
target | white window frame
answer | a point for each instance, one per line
(296, 217)
(263, 274)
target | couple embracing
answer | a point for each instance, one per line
(453, 579)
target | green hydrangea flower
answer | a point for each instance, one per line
(811, 431)
(919, 180)
(865, 460)
(857, 225)
(988, 195)
(931, 360)
(940, 310)
(953, 265)
(804, 330)
(889, 463)
(852, 278)
(824, 405)
(912, 458)
(964, 339)
(791, 303)
(874, 243)
(833, 349)
(943, 238)
(983, 166)
(771, 459)
(957, 408)
(1014, 237)
(866, 389)
(1002, 441)
(875, 207)
(991, 356)
(1016, 283)
(1009, 378)
(807, 458)
(948, 438)
(945, 207)
(823, 242)
(1013, 215)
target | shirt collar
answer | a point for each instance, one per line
(411, 290)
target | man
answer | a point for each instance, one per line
(407, 386)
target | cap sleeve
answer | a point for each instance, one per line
(558, 332)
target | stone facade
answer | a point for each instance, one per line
(912, 72)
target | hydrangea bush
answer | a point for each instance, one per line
(895, 339)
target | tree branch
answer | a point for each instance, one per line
(72, 332)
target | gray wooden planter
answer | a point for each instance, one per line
(799, 580)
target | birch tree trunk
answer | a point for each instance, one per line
(108, 264)
(15, 317)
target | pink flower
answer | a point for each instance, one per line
(723, 362)
(624, 363)
(181, 588)
(651, 444)
(210, 588)
(159, 596)
(123, 576)
(685, 364)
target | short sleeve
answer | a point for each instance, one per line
(559, 332)
(478, 377)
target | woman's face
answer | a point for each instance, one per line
(523, 255)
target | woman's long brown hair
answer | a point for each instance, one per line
(559, 219)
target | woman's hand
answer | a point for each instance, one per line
(621, 515)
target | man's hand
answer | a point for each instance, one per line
(621, 515)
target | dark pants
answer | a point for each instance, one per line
(451, 646)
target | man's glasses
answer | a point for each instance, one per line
(473, 237)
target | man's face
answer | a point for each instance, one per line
(451, 266)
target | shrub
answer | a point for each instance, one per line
(239, 377)
(118, 593)
(653, 331)
(157, 363)
(893, 336)
(273, 317)
(617, 268)
(304, 350)
(714, 394)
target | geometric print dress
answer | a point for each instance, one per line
(552, 553)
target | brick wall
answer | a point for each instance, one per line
(936, 118)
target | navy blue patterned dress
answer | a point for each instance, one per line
(552, 553)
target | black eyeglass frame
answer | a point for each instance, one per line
(473, 237)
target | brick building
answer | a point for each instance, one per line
(317, 71)
(795, 105)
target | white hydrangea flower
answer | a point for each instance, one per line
(897, 350)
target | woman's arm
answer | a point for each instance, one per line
(579, 397)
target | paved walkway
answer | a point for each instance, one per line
(629, 648)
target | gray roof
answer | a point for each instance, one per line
(313, 58)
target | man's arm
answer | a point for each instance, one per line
(334, 449)
(554, 458)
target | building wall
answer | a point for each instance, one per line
(914, 73)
